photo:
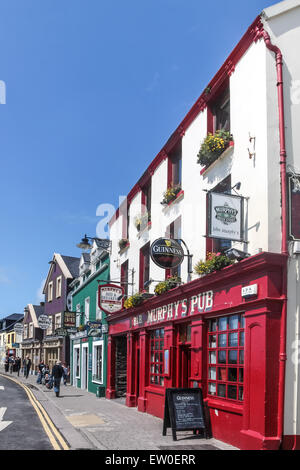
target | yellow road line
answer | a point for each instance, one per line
(44, 418)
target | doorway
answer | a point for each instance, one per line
(84, 367)
(183, 355)
(121, 366)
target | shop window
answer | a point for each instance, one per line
(144, 266)
(157, 357)
(226, 357)
(219, 245)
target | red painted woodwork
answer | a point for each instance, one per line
(251, 424)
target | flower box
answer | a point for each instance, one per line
(213, 146)
(171, 194)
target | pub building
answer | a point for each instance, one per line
(231, 331)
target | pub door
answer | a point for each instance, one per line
(183, 338)
(184, 366)
(121, 366)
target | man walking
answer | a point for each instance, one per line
(57, 373)
(27, 366)
(18, 365)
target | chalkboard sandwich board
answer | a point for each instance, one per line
(184, 410)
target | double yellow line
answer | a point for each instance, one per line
(56, 439)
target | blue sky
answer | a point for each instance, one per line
(94, 89)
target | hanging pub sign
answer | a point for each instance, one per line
(18, 328)
(294, 206)
(69, 320)
(225, 216)
(166, 253)
(110, 298)
(44, 322)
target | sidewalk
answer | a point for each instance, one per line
(88, 422)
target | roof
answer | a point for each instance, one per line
(279, 8)
(86, 257)
(39, 310)
(14, 317)
(72, 264)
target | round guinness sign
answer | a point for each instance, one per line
(166, 253)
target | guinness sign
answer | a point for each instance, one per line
(166, 253)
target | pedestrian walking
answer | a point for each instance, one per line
(57, 373)
(11, 363)
(18, 365)
(27, 366)
(6, 364)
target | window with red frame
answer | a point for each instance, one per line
(219, 245)
(175, 166)
(124, 278)
(146, 199)
(144, 267)
(174, 231)
(218, 115)
(226, 357)
(157, 357)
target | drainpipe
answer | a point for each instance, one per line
(284, 244)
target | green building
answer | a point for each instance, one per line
(89, 344)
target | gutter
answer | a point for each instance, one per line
(261, 33)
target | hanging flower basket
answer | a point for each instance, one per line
(123, 243)
(213, 146)
(171, 193)
(164, 286)
(214, 262)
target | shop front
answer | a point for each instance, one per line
(220, 332)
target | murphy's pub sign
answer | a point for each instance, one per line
(225, 216)
(175, 310)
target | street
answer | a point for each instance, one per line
(21, 425)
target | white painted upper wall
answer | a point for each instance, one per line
(254, 112)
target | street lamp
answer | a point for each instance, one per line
(86, 245)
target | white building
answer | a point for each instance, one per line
(255, 96)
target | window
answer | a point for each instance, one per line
(218, 111)
(98, 310)
(146, 199)
(175, 166)
(144, 267)
(219, 245)
(25, 331)
(157, 357)
(30, 330)
(50, 291)
(57, 321)
(87, 309)
(226, 357)
(78, 315)
(124, 278)
(174, 231)
(50, 329)
(58, 286)
(98, 361)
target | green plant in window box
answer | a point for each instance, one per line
(141, 221)
(171, 193)
(214, 262)
(134, 300)
(170, 283)
(123, 243)
(81, 328)
(213, 146)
